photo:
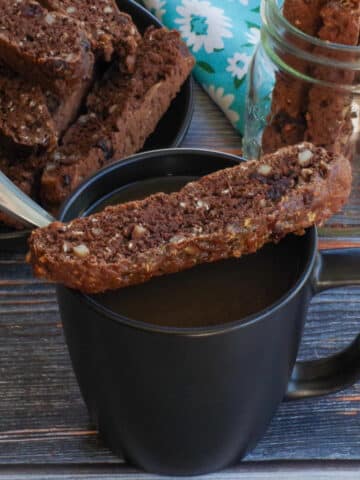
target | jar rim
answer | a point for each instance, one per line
(277, 15)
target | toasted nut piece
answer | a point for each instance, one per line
(264, 170)
(177, 239)
(304, 157)
(81, 250)
(138, 232)
(306, 173)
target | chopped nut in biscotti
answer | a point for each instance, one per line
(170, 239)
(306, 173)
(304, 157)
(177, 239)
(138, 232)
(81, 250)
(264, 170)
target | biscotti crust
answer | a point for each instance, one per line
(47, 47)
(226, 214)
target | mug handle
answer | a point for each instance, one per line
(334, 268)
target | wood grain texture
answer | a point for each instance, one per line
(267, 470)
(44, 427)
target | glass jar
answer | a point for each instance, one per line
(300, 88)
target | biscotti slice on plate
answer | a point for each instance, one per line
(123, 110)
(85, 148)
(329, 109)
(226, 214)
(25, 121)
(47, 47)
(134, 104)
(287, 122)
(109, 29)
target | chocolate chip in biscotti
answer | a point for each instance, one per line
(46, 47)
(132, 242)
(122, 111)
(110, 30)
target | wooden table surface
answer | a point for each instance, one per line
(44, 427)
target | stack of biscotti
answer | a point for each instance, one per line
(39, 52)
(122, 111)
(226, 214)
(328, 115)
(42, 55)
(286, 122)
(318, 114)
(52, 54)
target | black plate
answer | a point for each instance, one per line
(170, 131)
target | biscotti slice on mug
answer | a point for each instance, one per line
(47, 47)
(123, 110)
(25, 122)
(226, 214)
(109, 29)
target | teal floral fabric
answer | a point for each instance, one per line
(222, 35)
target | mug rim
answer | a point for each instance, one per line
(187, 331)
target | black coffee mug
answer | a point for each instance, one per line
(186, 401)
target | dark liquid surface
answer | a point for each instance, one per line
(209, 294)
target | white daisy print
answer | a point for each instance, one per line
(244, 2)
(253, 36)
(203, 25)
(224, 101)
(156, 7)
(238, 65)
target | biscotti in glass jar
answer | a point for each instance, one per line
(304, 79)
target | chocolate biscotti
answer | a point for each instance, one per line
(25, 122)
(286, 122)
(110, 30)
(329, 109)
(226, 214)
(123, 110)
(47, 47)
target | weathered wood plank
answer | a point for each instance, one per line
(264, 471)
(43, 419)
